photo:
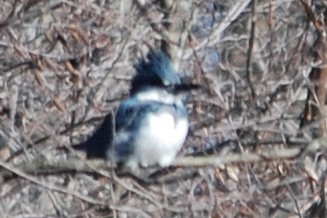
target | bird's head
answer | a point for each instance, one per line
(154, 71)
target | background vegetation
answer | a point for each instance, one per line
(252, 149)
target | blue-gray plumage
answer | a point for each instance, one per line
(152, 124)
(154, 72)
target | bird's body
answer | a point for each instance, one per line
(152, 130)
(151, 125)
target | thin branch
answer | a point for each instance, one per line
(250, 50)
(37, 181)
(56, 166)
(268, 154)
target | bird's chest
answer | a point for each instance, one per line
(160, 138)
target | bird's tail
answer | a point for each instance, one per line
(98, 145)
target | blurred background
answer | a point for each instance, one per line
(65, 64)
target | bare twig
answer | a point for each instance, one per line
(250, 49)
(49, 187)
(56, 166)
(265, 155)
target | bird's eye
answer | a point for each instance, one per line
(165, 82)
(158, 82)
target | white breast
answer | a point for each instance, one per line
(160, 138)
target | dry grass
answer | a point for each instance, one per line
(64, 64)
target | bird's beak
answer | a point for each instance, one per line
(182, 88)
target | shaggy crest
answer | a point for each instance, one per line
(154, 71)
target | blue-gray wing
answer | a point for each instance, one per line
(128, 116)
(131, 112)
(131, 116)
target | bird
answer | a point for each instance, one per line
(151, 125)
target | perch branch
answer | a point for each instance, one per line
(265, 155)
(57, 166)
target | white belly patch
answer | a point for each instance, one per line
(159, 140)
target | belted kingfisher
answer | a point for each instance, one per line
(151, 125)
